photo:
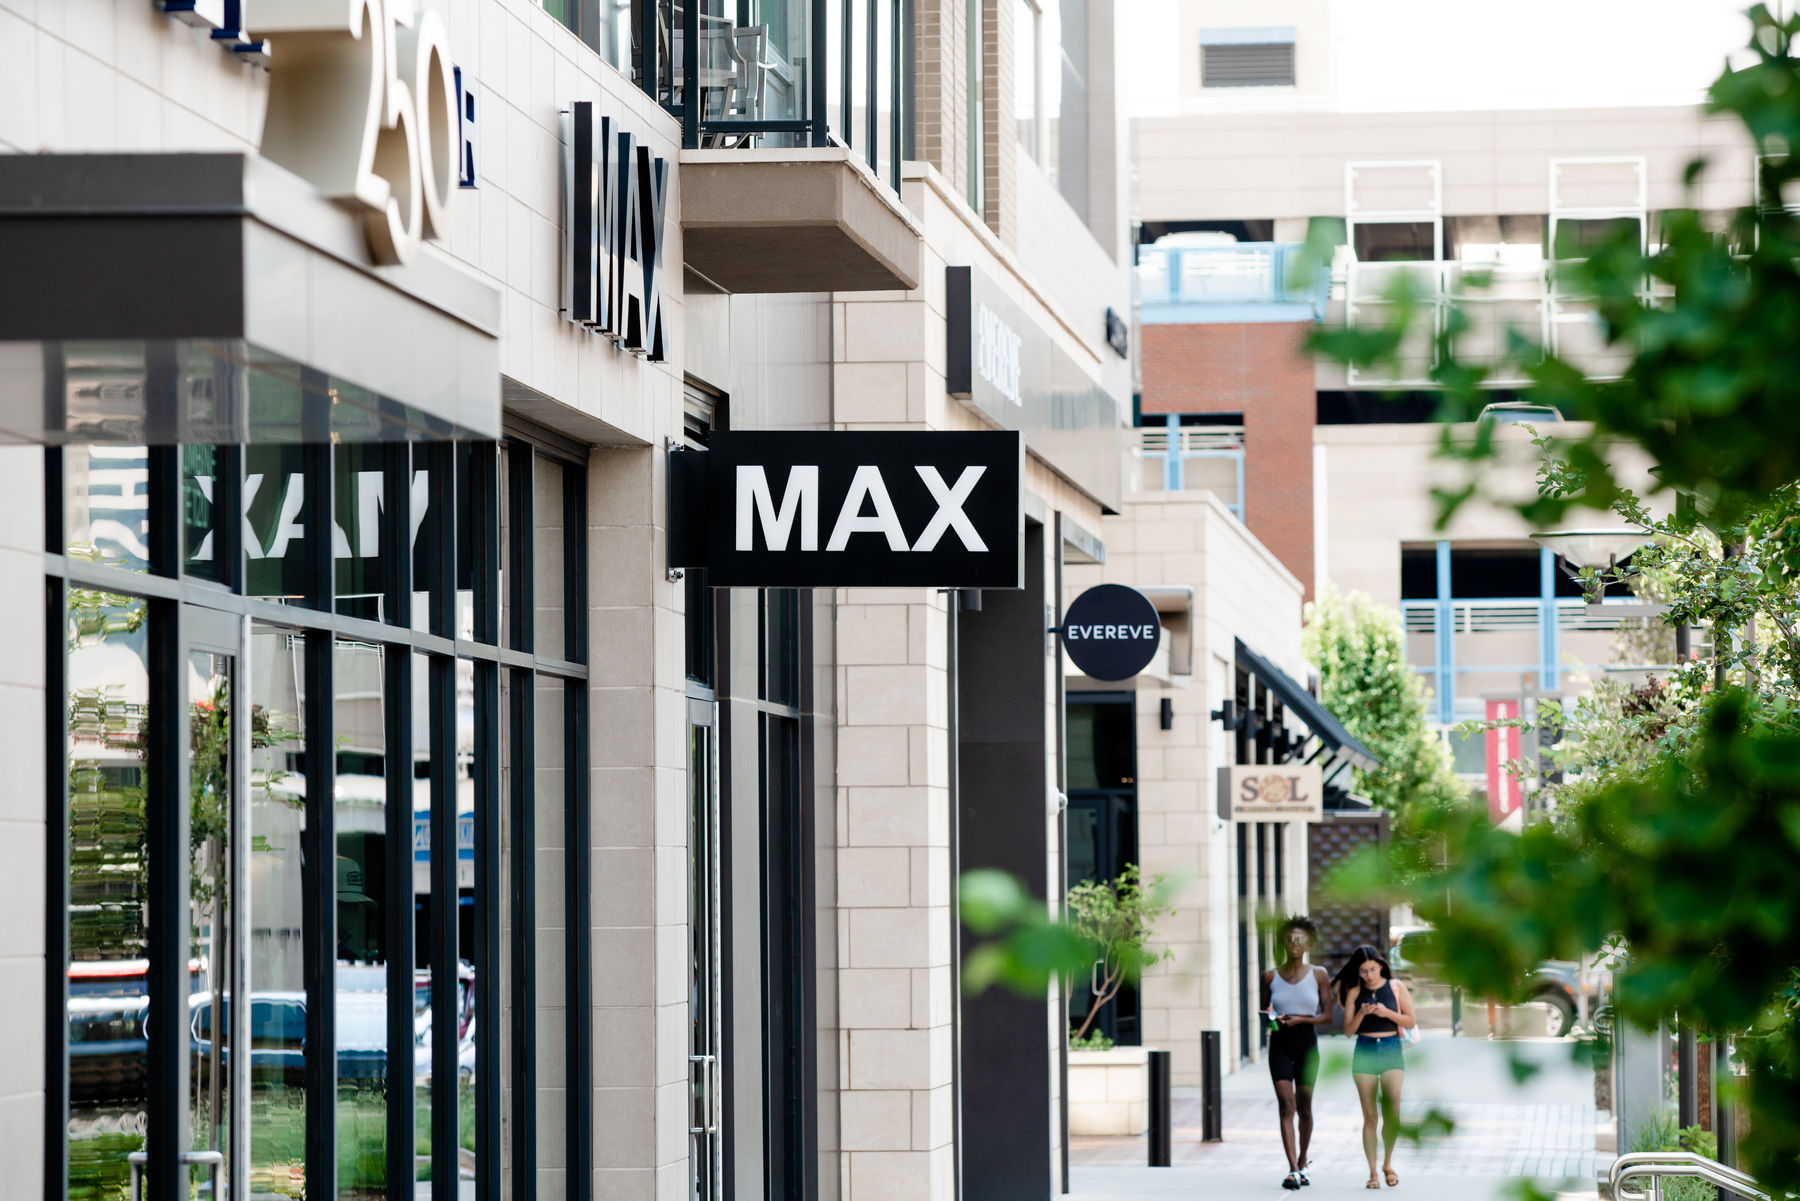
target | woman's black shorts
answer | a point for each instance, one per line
(1294, 1055)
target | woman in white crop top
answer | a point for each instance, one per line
(1296, 1001)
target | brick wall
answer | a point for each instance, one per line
(1259, 370)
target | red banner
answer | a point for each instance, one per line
(1503, 786)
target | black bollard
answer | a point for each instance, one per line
(1212, 1110)
(1161, 1119)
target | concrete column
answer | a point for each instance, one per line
(894, 887)
(22, 819)
(638, 845)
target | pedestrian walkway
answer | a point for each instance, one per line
(1542, 1129)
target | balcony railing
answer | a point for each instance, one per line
(1510, 616)
(1168, 457)
(764, 74)
(1181, 283)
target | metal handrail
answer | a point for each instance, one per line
(1655, 1165)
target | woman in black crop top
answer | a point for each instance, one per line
(1377, 1008)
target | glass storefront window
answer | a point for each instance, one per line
(1027, 80)
(277, 918)
(109, 751)
(315, 534)
(548, 590)
(106, 504)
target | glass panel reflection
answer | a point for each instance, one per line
(200, 555)
(360, 813)
(548, 578)
(468, 964)
(106, 494)
(552, 913)
(277, 927)
(108, 709)
(210, 921)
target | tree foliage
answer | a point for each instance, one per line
(1676, 837)
(1359, 648)
(1115, 918)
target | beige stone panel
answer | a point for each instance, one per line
(889, 937)
(889, 1176)
(895, 817)
(873, 634)
(873, 755)
(890, 1059)
(875, 998)
(877, 1121)
(874, 876)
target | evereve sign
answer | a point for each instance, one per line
(615, 210)
(817, 509)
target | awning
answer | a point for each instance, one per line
(190, 297)
(1303, 704)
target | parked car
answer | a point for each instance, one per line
(108, 1051)
(1555, 983)
(278, 1037)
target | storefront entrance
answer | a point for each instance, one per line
(302, 698)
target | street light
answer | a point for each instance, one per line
(1599, 548)
(1516, 412)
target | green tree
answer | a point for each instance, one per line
(1679, 849)
(1116, 918)
(1359, 648)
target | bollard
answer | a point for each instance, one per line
(1212, 1112)
(1161, 1135)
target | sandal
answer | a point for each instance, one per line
(1292, 1181)
(1373, 1183)
(1392, 1180)
(1304, 1180)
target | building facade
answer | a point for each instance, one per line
(344, 537)
(1467, 176)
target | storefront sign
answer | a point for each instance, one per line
(363, 104)
(1504, 789)
(1008, 366)
(1111, 632)
(1268, 792)
(615, 208)
(818, 509)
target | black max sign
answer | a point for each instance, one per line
(816, 509)
(615, 205)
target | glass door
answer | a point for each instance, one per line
(215, 943)
(706, 1160)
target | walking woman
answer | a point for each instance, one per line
(1377, 1008)
(1296, 998)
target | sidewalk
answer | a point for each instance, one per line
(1542, 1130)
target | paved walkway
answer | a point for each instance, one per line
(1542, 1129)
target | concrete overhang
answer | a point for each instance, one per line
(806, 220)
(219, 298)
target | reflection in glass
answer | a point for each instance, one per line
(360, 811)
(468, 961)
(547, 574)
(705, 1160)
(200, 555)
(276, 546)
(277, 925)
(552, 937)
(108, 708)
(422, 907)
(361, 553)
(106, 493)
(210, 921)
(1025, 74)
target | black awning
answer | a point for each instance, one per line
(1303, 704)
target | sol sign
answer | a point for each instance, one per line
(363, 105)
(1261, 792)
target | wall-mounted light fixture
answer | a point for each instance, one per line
(1168, 713)
(1226, 715)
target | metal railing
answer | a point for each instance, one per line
(1171, 447)
(1653, 1167)
(1234, 272)
(1509, 616)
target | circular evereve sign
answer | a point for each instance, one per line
(1111, 632)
